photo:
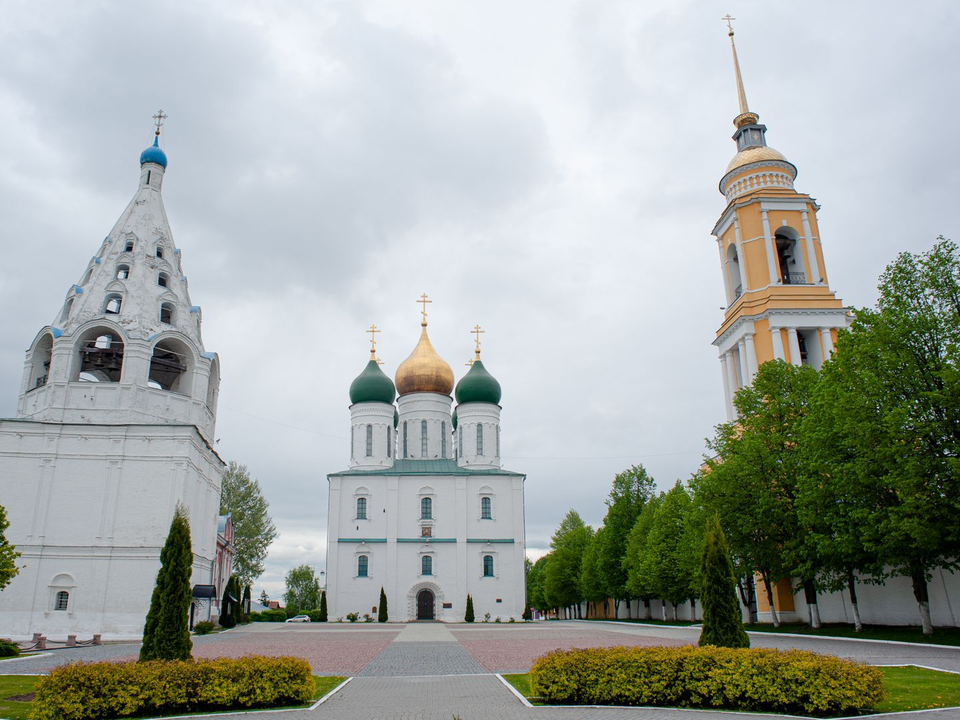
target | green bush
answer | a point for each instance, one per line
(8, 649)
(268, 616)
(707, 677)
(88, 691)
(203, 627)
(314, 615)
(255, 617)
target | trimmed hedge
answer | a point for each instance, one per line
(268, 616)
(88, 691)
(708, 677)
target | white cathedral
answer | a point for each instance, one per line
(114, 427)
(425, 510)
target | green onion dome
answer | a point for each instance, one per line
(478, 386)
(453, 418)
(372, 386)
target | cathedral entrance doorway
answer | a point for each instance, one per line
(425, 605)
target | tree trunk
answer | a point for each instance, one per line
(813, 608)
(693, 609)
(752, 597)
(923, 599)
(674, 610)
(852, 587)
(616, 608)
(773, 608)
(646, 608)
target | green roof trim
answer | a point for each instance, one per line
(372, 386)
(426, 467)
(362, 540)
(426, 540)
(491, 540)
(478, 386)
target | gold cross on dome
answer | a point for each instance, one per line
(423, 301)
(477, 332)
(379, 361)
(469, 363)
(373, 340)
(159, 118)
(728, 18)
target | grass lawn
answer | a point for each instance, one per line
(23, 684)
(672, 623)
(941, 636)
(908, 688)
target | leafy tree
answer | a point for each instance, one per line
(722, 620)
(8, 553)
(264, 598)
(637, 552)
(323, 606)
(230, 603)
(245, 606)
(590, 587)
(631, 490)
(886, 426)
(752, 483)
(562, 581)
(535, 581)
(665, 568)
(382, 608)
(253, 529)
(303, 589)
(166, 633)
(468, 616)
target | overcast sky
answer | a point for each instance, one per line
(547, 169)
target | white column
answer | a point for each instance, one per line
(777, 338)
(724, 268)
(794, 346)
(811, 251)
(745, 375)
(740, 264)
(731, 371)
(751, 355)
(727, 390)
(771, 249)
(826, 339)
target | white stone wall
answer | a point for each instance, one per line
(470, 416)
(435, 410)
(379, 417)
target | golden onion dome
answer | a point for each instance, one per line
(754, 154)
(424, 370)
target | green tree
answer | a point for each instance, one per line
(8, 553)
(636, 553)
(885, 426)
(253, 529)
(665, 568)
(562, 581)
(535, 580)
(245, 606)
(230, 603)
(323, 606)
(722, 619)
(752, 482)
(631, 490)
(382, 608)
(591, 589)
(303, 589)
(468, 615)
(166, 633)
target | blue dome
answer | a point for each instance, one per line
(154, 154)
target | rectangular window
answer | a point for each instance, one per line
(460, 433)
(369, 440)
(63, 600)
(423, 438)
(361, 508)
(389, 442)
(404, 438)
(426, 509)
(362, 562)
(443, 440)
(488, 565)
(479, 439)
(426, 565)
(486, 509)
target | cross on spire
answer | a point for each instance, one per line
(728, 18)
(373, 341)
(423, 301)
(477, 332)
(158, 119)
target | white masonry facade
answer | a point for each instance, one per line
(114, 428)
(425, 510)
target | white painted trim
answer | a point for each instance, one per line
(512, 689)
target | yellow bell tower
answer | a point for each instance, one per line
(778, 301)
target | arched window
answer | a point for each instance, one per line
(361, 508)
(86, 276)
(486, 508)
(101, 357)
(460, 433)
(369, 451)
(389, 442)
(67, 307)
(166, 313)
(40, 360)
(169, 365)
(791, 265)
(423, 438)
(163, 279)
(479, 438)
(443, 440)
(129, 246)
(498, 441)
(404, 438)
(426, 508)
(111, 305)
(362, 565)
(62, 600)
(160, 252)
(488, 565)
(426, 565)
(123, 272)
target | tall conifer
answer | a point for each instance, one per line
(166, 633)
(722, 621)
(382, 614)
(323, 606)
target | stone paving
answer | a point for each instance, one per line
(429, 670)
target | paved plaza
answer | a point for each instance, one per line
(431, 670)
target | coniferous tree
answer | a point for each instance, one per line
(166, 634)
(245, 606)
(230, 603)
(382, 612)
(323, 606)
(468, 617)
(722, 621)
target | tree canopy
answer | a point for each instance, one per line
(8, 553)
(166, 633)
(303, 589)
(253, 529)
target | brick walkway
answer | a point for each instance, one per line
(421, 670)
